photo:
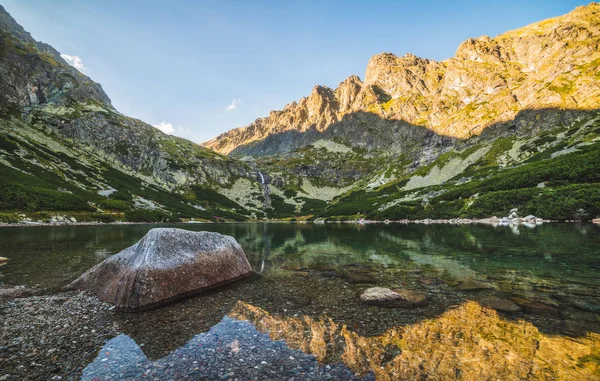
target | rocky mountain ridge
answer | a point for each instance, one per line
(552, 64)
(357, 151)
(31, 86)
(59, 126)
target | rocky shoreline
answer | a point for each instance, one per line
(51, 337)
(65, 223)
(495, 221)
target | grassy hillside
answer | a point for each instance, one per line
(44, 176)
(555, 175)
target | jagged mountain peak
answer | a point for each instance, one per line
(38, 74)
(9, 24)
(63, 147)
(549, 64)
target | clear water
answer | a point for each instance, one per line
(310, 274)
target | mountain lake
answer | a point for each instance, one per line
(503, 302)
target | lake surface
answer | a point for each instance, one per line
(300, 316)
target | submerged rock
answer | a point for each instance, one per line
(429, 281)
(385, 297)
(499, 304)
(3, 260)
(359, 277)
(469, 284)
(537, 307)
(164, 265)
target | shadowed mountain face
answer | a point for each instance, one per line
(38, 88)
(24, 70)
(552, 64)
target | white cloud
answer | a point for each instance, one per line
(165, 127)
(74, 61)
(234, 104)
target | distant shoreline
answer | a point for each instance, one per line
(485, 221)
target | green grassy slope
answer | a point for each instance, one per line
(41, 179)
(555, 175)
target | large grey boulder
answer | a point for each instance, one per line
(164, 265)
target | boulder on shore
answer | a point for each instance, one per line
(384, 297)
(166, 264)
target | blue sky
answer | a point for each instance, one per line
(205, 67)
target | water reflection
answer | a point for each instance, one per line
(51, 256)
(232, 349)
(552, 272)
(467, 342)
(553, 269)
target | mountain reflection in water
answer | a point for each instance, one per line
(231, 349)
(468, 342)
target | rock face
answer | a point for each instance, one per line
(549, 64)
(37, 84)
(384, 297)
(47, 102)
(164, 265)
(407, 118)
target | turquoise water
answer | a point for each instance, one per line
(561, 254)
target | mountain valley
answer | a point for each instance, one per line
(509, 122)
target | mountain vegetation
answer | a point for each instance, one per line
(508, 122)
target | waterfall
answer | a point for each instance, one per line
(266, 191)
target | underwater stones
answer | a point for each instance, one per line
(537, 307)
(384, 297)
(429, 281)
(359, 277)
(469, 284)
(499, 304)
(588, 304)
(166, 264)
(412, 298)
(3, 260)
